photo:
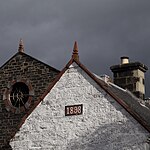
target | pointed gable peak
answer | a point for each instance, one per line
(75, 49)
(21, 46)
(75, 55)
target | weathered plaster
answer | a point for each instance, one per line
(104, 124)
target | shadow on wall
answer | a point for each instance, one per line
(7, 147)
(110, 137)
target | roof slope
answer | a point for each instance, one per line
(133, 105)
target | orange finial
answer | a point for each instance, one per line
(21, 46)
(75, 52)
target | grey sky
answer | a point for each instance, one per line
(105, 31)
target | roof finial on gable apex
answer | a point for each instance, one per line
(75, 55)
(21, 46)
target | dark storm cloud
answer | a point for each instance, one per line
(104, 29)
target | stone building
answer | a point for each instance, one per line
(73, 109)
(30, 77)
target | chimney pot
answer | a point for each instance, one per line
(124, 60)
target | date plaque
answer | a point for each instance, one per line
(73, 110)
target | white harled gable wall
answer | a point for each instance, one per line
(104, 124)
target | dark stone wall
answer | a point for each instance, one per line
(25, 67)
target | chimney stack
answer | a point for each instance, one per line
(130, 76)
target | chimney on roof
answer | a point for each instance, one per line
(131, 76)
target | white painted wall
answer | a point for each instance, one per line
(104, 124)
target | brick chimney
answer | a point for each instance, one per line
(131, 76)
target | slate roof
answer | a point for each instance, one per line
(135, 106)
